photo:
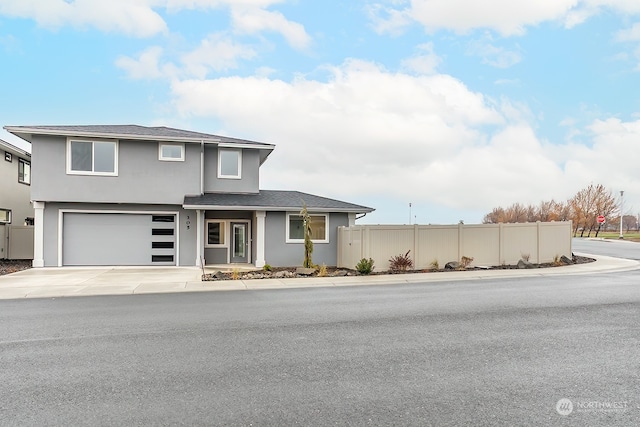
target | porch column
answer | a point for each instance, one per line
(38, 235)
(352, 219)
(260, 243)
(199, 234)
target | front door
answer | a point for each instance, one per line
(239, 242)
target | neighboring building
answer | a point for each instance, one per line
(15, 206)
(134, 195)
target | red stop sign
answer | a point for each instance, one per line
(601, 219)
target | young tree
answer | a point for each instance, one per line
(308, 244)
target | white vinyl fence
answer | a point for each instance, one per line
(487, 244)
(19, 242)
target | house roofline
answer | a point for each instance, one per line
(12, 148)
(22, 132)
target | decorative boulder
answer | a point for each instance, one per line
(566, 260)
(305, 271)
(452, 265)
(525, 264)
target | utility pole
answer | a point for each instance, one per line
(409, 213)
(621, 214)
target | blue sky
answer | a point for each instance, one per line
(455, 106)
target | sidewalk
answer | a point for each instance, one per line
(70, 281)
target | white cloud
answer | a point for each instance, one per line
(216, 52)
(424, 62)
(135, 18)
(139, 18)
(629, 34)
(253, 20)
(370, 133)
(146, 66)
(388, 19)
(506, 17)
(495, 56)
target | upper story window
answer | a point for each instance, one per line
(319, 228)
(24, 172)
(229, 163)
(92, 157)
(171, 152)
(5, 216)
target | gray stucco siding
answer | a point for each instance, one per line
(279, 253)
(13, 194)
(186, 226)
(142, 177)
(249, 182)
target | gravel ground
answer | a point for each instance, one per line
(11, 266)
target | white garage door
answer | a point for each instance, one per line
(118, 239)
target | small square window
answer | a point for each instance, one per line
(5, 216)
(171, 152)
(215, 233)
(24, 172)
(229, 164)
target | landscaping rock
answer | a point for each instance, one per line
(522, 264)
(305, 271)
(566, 260)
(340, 273)
(218, 275)
(452, 265)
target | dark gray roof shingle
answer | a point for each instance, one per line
(140, 132)
(273, 200)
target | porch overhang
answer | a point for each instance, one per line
(270, 200)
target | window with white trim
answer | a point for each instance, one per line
(215, 236)
(319, 228)
(229, 163)
(5, 216)
(24, 172)
(171, 152)
(92, 157)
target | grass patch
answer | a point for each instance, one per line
(633, 235)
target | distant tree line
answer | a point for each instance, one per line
(583, 209)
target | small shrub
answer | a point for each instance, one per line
(525, 257)
(557, 261)
(365, 266)
(322, 271)
(435, 265)
(235, 274)
(401, 262)
(267, 267)
(465, 261)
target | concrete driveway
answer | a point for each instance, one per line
(72, 281)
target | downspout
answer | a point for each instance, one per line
(202, 167)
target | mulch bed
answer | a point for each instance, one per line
(290, 272)
(8, 266)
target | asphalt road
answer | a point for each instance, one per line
(609, 247)
(499, 352)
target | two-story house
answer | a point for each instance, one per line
(135, 195)
(15, 205)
